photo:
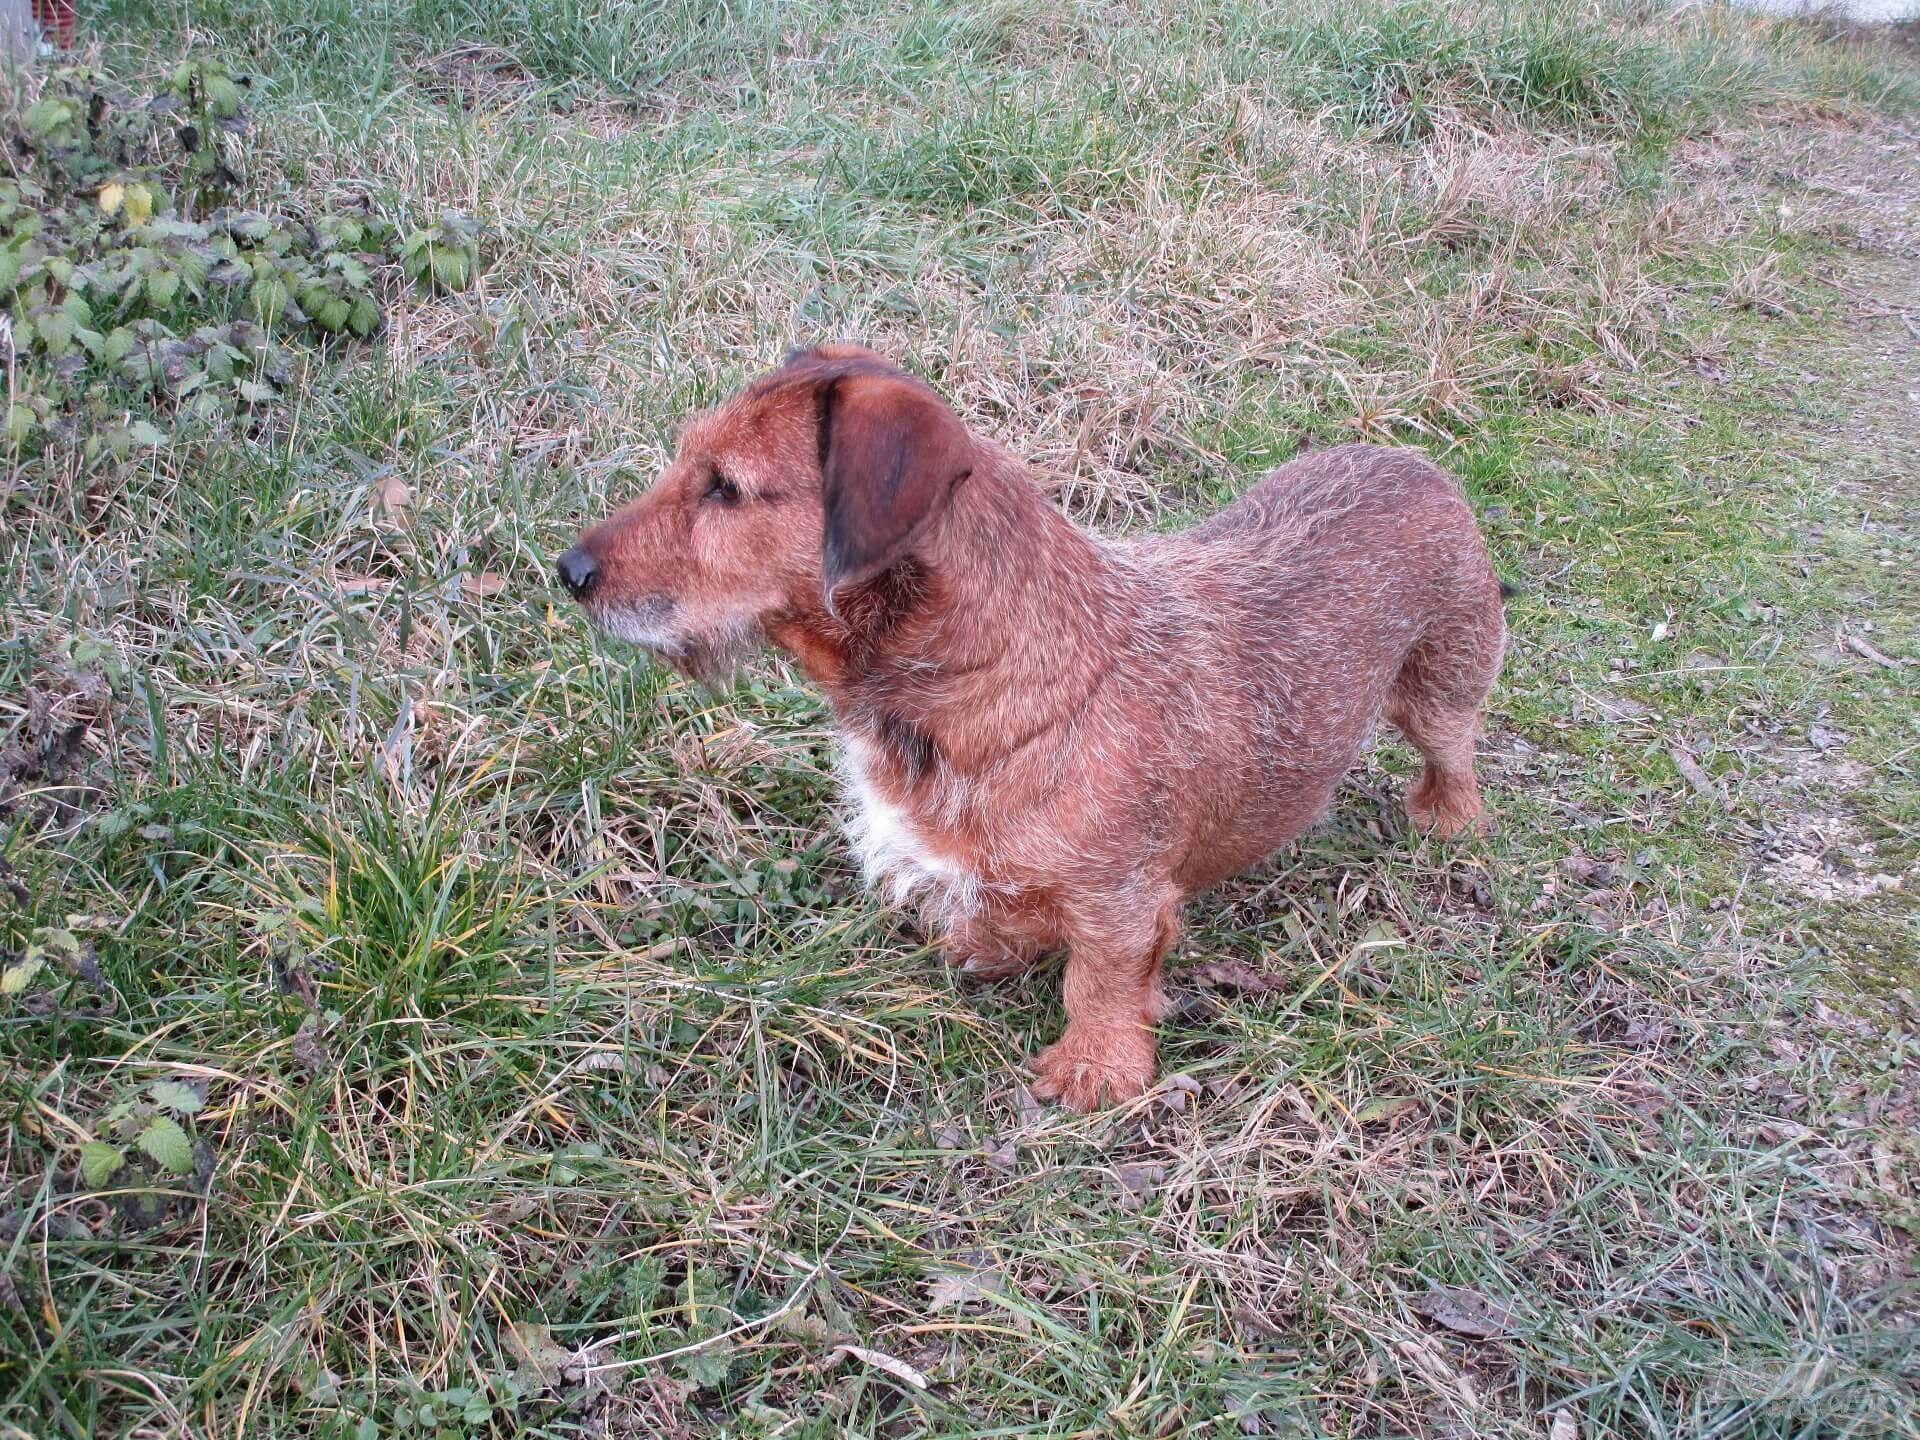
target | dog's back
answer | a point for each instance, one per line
(1345, 583)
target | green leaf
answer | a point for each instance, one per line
(167, 1143)
(117, 346)
(145, 432)
(163, 286)
(54, 941)
(271, 299)
(43, 117)
(56, 331)
(18, 977)
(173, 1095)
(365, 318)
(708, 1367)
(99, 1162)
(255, 393)
(223, 96)
(139, 204)
(450, 269)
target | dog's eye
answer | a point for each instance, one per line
(723, 490)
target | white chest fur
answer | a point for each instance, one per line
(897, 859)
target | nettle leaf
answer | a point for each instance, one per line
(58, 942)
(170, 228)
(163, 288)
(100, 1162)
(245, 224)
(224, 97)
(45, 116)
(168, 1145)
(56, 331)
(18, 976)
(175, 1095)
(450, 269)
(139, 204)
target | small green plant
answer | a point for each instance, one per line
(144, 1149)
(136, 289)
(446, 256)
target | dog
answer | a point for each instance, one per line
(1053, 739)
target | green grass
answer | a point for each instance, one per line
(558, 1076)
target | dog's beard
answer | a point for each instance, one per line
(711, 657)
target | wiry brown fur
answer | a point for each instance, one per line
(1054, 739)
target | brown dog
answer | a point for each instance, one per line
(1054, 739)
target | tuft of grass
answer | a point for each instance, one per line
(554, 1076)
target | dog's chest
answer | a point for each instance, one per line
(895, 853)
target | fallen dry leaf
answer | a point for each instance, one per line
(1693, 773)
(1030, 1110)
(1463, 1311)
(541, 1357)
(393, 495)
(1138, 1182)
(1234, 975)
(1585, 867)
(1612, 709)
(306, 1045)
(1386, 1109)
(1861, 648)
(483, 585)
(958, 1288)
(891, 1364)
(1565, 1427)
(1173, 1092)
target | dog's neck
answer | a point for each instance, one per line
(991, 636)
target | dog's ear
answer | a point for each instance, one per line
(891, 452)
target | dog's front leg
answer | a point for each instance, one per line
(1113, 999)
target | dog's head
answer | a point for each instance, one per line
(820, 476)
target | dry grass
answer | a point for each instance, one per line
(559, 1078)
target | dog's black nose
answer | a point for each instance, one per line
(577, 572)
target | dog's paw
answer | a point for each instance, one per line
(1086, 1072)
(1443, 815)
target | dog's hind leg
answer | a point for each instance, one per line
(985, 947)
(1435, 701)
(1113, 998)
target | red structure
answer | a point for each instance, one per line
(56, 20)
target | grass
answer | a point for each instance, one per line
(559, 1080)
